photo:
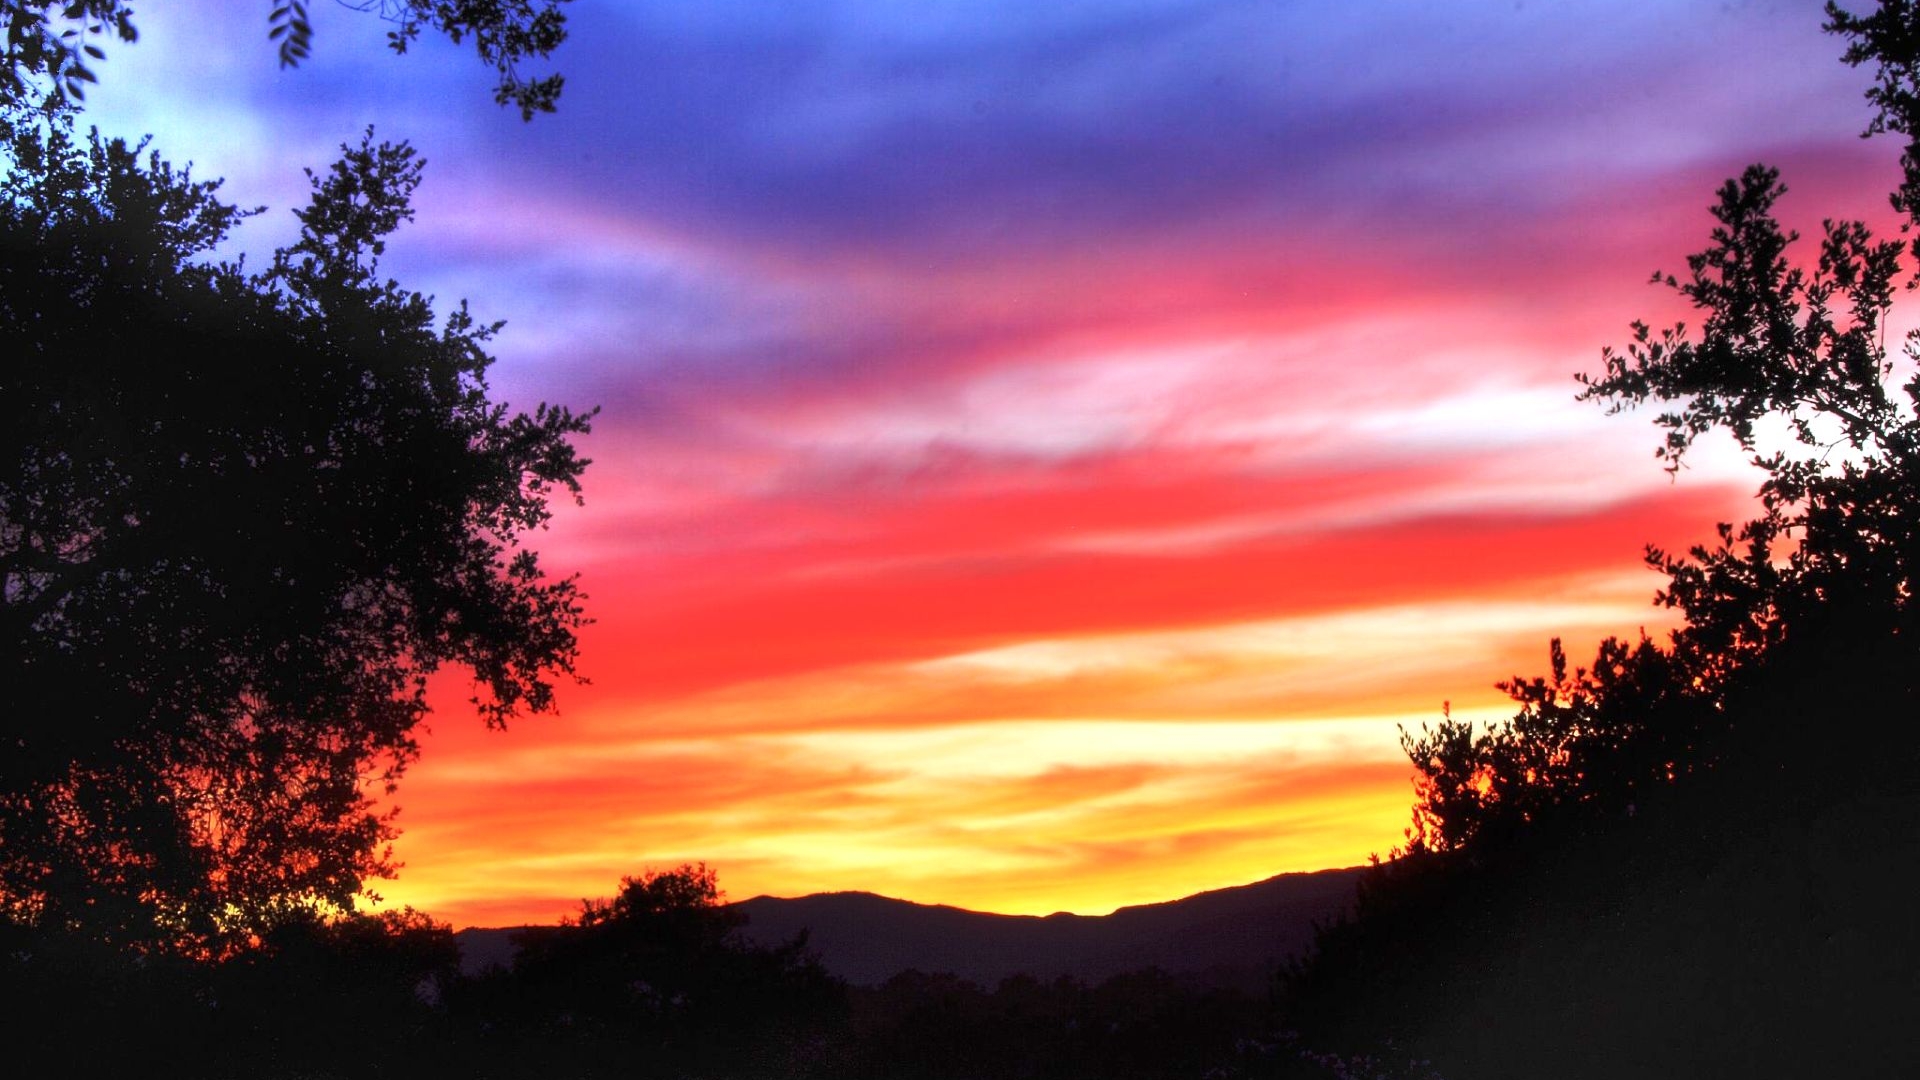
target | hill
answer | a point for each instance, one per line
(1227, 937)
(1755, 921)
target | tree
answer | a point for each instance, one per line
(1643, 821)
(1583, 746)
(56, 40)
(1890, 39)
(1790, 361)
(243, 517)
(662, 972)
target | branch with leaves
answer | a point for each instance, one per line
(1789, 359)
(243, 517)
(51, 46)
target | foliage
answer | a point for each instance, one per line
(661, 925)
(347, 997)
(1730, 928)
(1583, 745)
(689, 893)
(1889, 38)
(1143, 1024)
(656, 983)
(243, 517)
(1642, 822)
(1790, 361)
(57, 40)
(1797, 355)
(504, 32)
(661, 972)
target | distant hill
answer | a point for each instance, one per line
(1229, 937)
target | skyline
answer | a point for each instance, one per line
(1044, 453)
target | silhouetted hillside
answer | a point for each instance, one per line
(1753, 922)
(1227, 937)
(1231, 936)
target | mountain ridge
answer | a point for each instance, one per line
(1238, 935)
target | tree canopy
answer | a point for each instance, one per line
(1789, 361)
(244, 514)
(58, 40)
(1596, 870)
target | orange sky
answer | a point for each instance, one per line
(1048, 450)
(1023, 732)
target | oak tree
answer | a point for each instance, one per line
(1789, 359)
(244, 515)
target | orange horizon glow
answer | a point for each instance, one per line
(1131, 739)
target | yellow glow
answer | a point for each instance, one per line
(1073, 773)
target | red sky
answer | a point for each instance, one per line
(1047, 450)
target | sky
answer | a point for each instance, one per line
(1048, 451)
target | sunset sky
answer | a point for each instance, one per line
(1048, 447)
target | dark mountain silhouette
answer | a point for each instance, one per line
(1227, 937)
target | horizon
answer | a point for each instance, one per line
(1046, 455)
(729, 901)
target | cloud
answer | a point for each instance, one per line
(845, 129)
(1017, 830)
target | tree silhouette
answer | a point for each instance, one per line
(243, 517)
(1583, 745)
(1790, 360)
(57, 40)
(1800, 351)
(661, 974)
(1641, 822)
(1889, 38)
